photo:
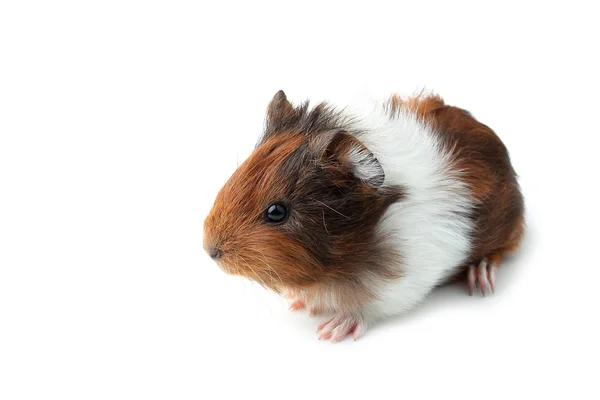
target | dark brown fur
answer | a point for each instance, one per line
(486, 167)
(329, 239)
(327, 251)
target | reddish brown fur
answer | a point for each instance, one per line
(485, 165)
(328, 252)
(329, 243)
(246, 242)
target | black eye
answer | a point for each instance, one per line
(276, 213)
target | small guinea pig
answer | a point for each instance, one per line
(360, 217)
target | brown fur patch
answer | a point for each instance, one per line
(328, 244)
(485, 165)
(327, 250)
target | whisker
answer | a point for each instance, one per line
(242, 276)
(257, 276)
(271, 268)
(332, 209)
(325, 225)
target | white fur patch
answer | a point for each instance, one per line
(430, 227)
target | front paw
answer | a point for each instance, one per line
(296, 301)
(338, 327)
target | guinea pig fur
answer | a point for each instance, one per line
(360, 217)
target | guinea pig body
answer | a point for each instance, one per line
(360, 217)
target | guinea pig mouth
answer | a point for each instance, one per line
(230, 268)
(251, 273)
(225, 267)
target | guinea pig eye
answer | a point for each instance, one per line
(276, 213)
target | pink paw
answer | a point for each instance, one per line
(482, 275)
(339, 326)
(297, 303)
(294, 300)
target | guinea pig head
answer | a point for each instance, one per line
(304, 207)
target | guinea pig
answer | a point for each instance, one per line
(359, 217)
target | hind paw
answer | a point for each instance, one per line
(483, 275)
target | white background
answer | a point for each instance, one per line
(120, 120)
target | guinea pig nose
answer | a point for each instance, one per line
(214, 253)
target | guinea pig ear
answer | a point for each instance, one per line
(281, 116)
(279, 108)
(347, 150)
